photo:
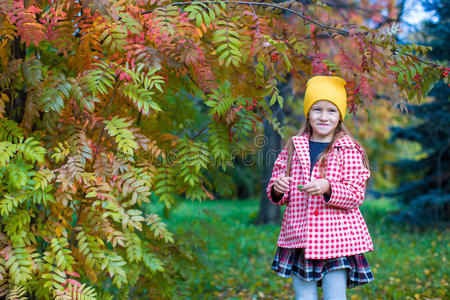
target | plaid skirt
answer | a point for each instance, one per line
(288, 262)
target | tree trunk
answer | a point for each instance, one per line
(269, 212)
(16, 108)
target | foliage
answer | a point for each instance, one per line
(93, 124)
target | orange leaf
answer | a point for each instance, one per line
(200, 33)
(204, 27)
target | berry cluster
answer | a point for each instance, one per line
(445, 75)
(252, 106)
(274, 57)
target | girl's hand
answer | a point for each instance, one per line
(317, 187)
(282, 184)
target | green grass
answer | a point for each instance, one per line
(407, 263)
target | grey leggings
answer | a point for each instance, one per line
(334, 286)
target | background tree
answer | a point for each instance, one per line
(425, 186)
(99, 114)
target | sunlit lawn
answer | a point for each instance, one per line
(407, 264)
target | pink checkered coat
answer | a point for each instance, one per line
(326, 229)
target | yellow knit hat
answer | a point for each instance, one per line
(329, 88)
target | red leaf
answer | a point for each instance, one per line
(366, 88)
(319, 67)
(28, 28)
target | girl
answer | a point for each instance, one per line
(321, 176)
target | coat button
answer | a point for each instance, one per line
(316, 212)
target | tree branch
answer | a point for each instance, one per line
(341, 31)
(323, 26)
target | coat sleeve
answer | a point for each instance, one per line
(349, 191)
(279, 168)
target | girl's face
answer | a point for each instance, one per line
(324, 118)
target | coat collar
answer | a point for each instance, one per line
(301, 145)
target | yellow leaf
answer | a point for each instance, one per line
(2, 109)
(91, 274)
(5, 97)
(58, 231)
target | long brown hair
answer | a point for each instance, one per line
(338, 132)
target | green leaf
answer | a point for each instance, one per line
(198, 20)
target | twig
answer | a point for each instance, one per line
(104, 125)
(200, 132)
